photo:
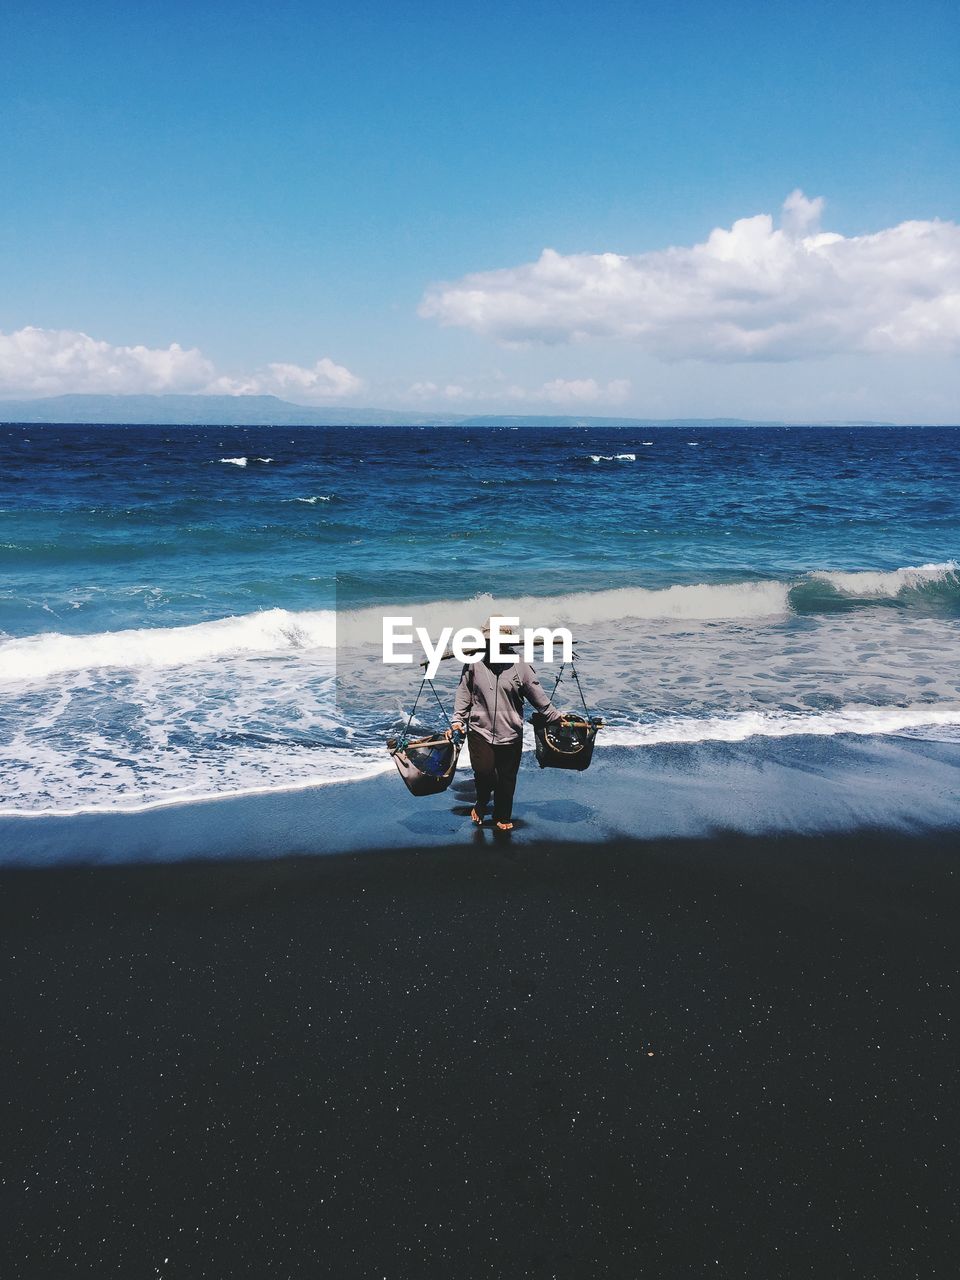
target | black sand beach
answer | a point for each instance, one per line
(726, 1057)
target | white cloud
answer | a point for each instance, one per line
(324, 381)
(43, 362)
(800, 216)
(754, 292)
(576, 391)
(559, 391)
(53, 361)
(431, 390)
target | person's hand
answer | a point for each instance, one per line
(454, 728)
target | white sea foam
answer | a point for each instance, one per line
(613, 457)
(266, 707)
(179, 781)
(855, 718)
(236, 462)
(339, 769)
(309, 501)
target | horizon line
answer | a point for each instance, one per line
(345, 416)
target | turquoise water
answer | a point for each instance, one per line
(170, 597)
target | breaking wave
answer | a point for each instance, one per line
(870, 582)
(270, 631)
(930, 586)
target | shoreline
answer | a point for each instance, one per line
(799, 785)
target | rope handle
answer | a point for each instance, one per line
(573, 672)
(417, 700)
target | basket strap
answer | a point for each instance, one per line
(573, 672)
(443, 711)
(416, 701)
(414, 707)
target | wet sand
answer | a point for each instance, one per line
(761, 786)
(728, 1057)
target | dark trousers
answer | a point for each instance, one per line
(495, 769)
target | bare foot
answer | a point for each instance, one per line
(504, 826)
(476, 818)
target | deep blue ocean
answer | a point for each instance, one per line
(171, 598)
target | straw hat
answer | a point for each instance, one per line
(507, 644)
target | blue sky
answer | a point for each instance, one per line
(275, 186)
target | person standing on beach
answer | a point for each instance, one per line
(489, 702)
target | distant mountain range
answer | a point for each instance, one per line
(255, 411)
